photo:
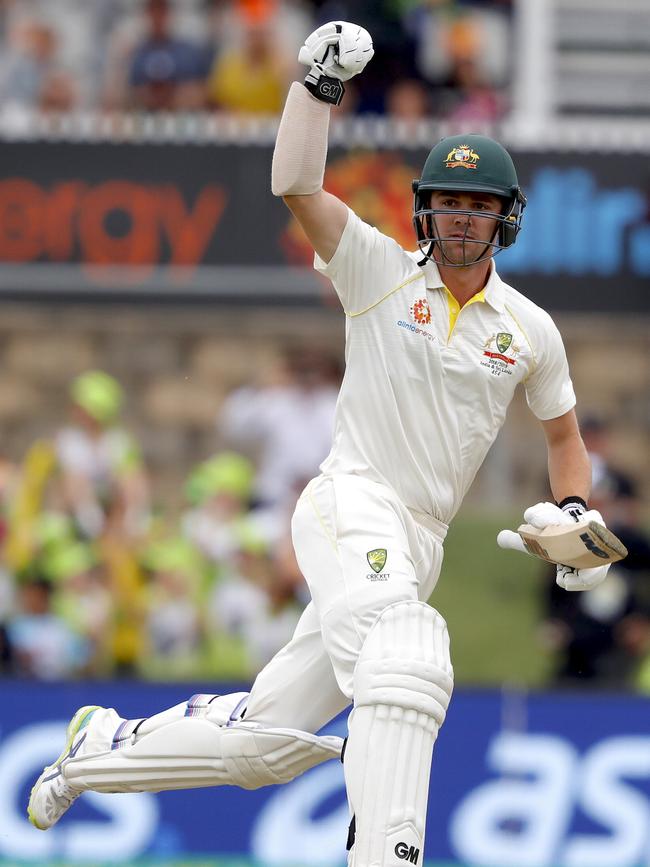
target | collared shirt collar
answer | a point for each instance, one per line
(494, 288)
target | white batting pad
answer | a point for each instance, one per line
(402, 686)
(191, 753)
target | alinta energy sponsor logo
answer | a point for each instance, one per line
(499, 353)
(416, 330)
(420, 311)
(420, 314)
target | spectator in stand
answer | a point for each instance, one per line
(58, 92)
(256, 601)
(31, 58)
(43, 645)
(252, 76)
(469, 96)
(104, 488)
(8, 486)
(463, 53)
(166, 72)
(407, 100)
(7, 581)
(174, 624)
(83, 600)
(597, 435)
(219, 490)
(6, 652)
(288, 423)
(104, 485)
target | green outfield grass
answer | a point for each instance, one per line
(491, 600)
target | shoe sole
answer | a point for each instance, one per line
(71, 732)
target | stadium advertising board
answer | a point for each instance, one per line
(538, 781)
(142, 218)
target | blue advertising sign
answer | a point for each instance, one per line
(547, 780)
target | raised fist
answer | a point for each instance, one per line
(334, 53)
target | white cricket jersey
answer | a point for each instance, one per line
(426, 388)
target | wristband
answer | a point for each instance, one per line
(574, 506)
(326, 89)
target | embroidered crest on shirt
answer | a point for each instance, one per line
(504, 358)
(377, 560)
(421, 312)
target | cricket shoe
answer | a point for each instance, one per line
(52, 794)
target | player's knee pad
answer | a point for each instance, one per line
(194, 752)
(402, 686)
(259, 756)
(405, 662)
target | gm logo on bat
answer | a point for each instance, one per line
(591, 545)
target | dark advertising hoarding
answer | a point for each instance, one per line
(138, 219)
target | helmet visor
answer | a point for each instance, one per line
(463, 237)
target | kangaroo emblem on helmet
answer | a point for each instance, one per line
(463, 156)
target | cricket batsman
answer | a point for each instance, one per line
(436, 345)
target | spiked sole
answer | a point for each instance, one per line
(74, 725)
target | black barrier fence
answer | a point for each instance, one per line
(182, 222)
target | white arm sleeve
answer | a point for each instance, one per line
(549, 390)
(301, 145)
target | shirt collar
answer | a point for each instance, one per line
(494, 288)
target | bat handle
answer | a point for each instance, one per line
(510, 540)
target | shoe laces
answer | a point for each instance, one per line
(62, 793)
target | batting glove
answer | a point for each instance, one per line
(567, 577)
(334, 53)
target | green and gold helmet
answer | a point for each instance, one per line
(468, 163)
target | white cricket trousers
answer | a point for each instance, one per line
(338, 521)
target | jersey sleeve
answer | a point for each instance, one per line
(365, 267)
(549, 390)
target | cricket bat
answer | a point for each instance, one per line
(582, 545)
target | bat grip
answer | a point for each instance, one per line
(509, 540)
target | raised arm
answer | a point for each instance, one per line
(334, 53)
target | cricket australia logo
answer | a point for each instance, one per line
(421, 312)
(463, 157)
(504, 359)
(377, 560)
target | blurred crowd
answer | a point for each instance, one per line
(97, 580)
(444, 58)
